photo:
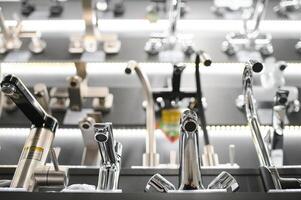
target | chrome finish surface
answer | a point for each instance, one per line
(279, 117)
(110, 151)
(190, 174)
(252, 117)
(150, 158)
(224, 181)
(159, 183)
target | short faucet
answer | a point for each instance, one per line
(110, 151)
(31, 171)
(150, 157)
(190, 166)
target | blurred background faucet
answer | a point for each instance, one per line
(90, 41)
(250, 39)
(171, 46)
(10, 37)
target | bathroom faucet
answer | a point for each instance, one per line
(250, 38)
(169, 41)
(31, 171)
(269, 173)
(190, 166)
(150, 157)
(10, 37)
(89, 41)
(110, 151)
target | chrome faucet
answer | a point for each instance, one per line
(169, 40)
(150, 157)
(89, 41)
(10, 37)
(250, 38)
(190, 166)
(270, 174)
(110, 151)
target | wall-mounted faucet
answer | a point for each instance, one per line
(190, 164)
(150, 157)
(31, 172)
(10, 37)
(110, 151)
(269, 172)
(250, 38)
(73, 98)
(89, 41)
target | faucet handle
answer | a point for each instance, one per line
(159, 183)
(224, 181)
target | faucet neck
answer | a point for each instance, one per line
(190, 173)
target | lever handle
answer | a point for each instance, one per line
(159, 183)
(15, 89)
(176, 77)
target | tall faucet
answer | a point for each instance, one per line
(190, 168)
(269, 172)
(190, 174)
(150, 157)
(110, 151)
(29, 173)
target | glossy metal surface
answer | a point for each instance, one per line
(252, 117)
(110, 151)
(190, 174)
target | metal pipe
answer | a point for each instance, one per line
(150, 158)
(190, 171)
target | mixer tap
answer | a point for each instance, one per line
(269, 173)
(190, 164)
(31, 171)
(110, 151)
